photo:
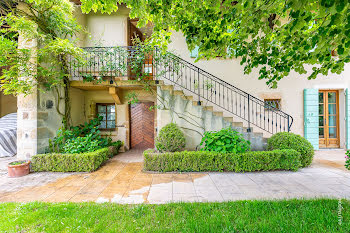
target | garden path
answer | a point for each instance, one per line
(122, 180)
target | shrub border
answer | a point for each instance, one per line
(208, 161)
(83, 162)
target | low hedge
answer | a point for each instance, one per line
(200, 161)
(286, 140)
(84, 162)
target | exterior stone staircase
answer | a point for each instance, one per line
(195, 119)
(182, 87)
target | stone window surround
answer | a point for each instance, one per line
(272, 96)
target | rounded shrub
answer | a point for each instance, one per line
(170, 139)
(225, 140)
(285, 140)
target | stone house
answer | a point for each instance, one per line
(198, 96)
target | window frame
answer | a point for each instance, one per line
(115, 110)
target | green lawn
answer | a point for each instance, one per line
(319, 215)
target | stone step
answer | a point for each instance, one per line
(190, 98)
(160, 82)
(237, 124)
(258, 134)
(209, 108)
(178, 92)
(215, 120)
(219, 114)
(229, 119)
(195, 103)
(167, 87)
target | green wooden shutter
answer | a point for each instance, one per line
(311, 117)
(194, 52)
(347, 118)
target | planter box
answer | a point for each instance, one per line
(18, 170)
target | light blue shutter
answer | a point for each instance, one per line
(311, 127)
(347, 118)
(194, 52)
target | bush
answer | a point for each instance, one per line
(347, 161)
(87, 144)
(199, 161)
(81, 145)
(225, 140)
(170, 139)
(82, 138)
(285, 140)
(84, 162)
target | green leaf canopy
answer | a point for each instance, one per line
(273, 36)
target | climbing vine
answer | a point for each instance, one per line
(142, 64)
(35, 40)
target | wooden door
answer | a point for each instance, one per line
(142, 125)
(146, 68)
(329, 119)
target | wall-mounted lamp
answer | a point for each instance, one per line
(111, 81)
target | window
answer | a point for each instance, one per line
(107, 111)
(275, 103)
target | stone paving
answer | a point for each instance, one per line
(122, 180)
(34, 179)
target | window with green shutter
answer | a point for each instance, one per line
(311, 124)
(347, 118)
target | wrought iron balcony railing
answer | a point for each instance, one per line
(133, 62)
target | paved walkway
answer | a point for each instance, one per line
(121, 180)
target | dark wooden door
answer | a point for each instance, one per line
(142, 125)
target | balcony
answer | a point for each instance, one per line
(112, 63)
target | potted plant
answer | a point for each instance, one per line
(18, 168)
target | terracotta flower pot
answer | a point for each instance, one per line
(18, 170)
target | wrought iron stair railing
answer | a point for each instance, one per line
(128, 61)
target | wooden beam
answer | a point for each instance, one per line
(113, 91)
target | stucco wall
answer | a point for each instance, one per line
(77, 106)
(290, 89)
(82, 36)
(83, 104)
(107, 30)
(8, 104)
(111, 30)
(49, 120)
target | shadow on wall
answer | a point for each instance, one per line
(8, 104)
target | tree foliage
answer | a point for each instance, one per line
(35, 40)
(274, 36)
(50, 25)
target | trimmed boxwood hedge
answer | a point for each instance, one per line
(200, 161)
(84, 162)
(286, 140)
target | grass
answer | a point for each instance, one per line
(319, 215)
